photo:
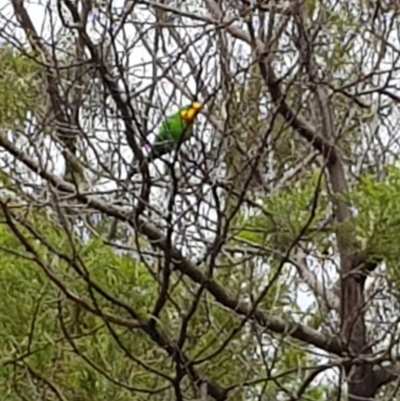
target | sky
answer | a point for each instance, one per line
(140, 75)
(140, 70)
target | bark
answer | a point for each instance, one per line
(363, 381)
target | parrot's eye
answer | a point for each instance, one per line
(184, 114)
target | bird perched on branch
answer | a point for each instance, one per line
(174, 130)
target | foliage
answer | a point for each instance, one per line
(378, 216)
(226, 271)
(38, 323)
(19, 90)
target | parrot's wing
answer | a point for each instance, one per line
(166, 141)
(187, 132)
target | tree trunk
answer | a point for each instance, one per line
(360, 376)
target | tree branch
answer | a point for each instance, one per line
(297, 331)
(301, 126)
(298, 258)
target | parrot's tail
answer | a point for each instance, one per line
(131, 172)
(158, 150)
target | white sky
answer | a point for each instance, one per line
(140, 56)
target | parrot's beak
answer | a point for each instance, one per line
(196, 106)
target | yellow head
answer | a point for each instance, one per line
(189, 113)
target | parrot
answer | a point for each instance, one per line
(175, 129)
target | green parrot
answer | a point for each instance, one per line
(175, 129)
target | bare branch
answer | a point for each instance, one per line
(300, 332)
